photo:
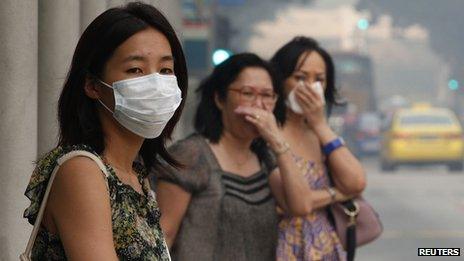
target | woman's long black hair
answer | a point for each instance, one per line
(77, 113)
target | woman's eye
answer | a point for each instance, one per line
(135, 71)
(322, 80)
(166, 71)
(267, 95)
(247, 93)
(300, 77)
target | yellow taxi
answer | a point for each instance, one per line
(423, 135)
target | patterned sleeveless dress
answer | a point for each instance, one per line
(137, 233)
(311, 237)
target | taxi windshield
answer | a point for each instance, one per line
(425, 119)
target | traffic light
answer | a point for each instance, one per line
(220, 55)
(453, 84)
(363, 24)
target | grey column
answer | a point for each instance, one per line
(89, 10)
(18, 117)
(172, 9)
(116, 3)
(59, 31)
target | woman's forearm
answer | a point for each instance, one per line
(346, 170)
(322, 197)
(296, 190)
(173, 202)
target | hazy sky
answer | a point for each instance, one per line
(403, 61)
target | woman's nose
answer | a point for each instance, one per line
(258, 102)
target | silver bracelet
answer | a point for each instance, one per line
(286, 147)
(332, 194)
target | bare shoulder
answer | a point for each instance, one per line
(81, 211)
(81, 171)
(79, 181)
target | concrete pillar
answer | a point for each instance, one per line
(18, 117)
(116, 3)
(89, 10)
(172, 9)
(59, 31)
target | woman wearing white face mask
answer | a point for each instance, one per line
(308, 74)
(145, 104)
(121, 100)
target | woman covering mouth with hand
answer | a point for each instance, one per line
(309, 85)
(222, 204)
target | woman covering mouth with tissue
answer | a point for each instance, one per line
(293, 104)
(308, 74)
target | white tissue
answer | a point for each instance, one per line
(291, 101)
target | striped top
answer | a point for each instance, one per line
(253, 190)
(229, 217)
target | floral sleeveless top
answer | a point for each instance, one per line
(311, 237)
(137, 233)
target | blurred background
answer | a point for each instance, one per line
(399, 67)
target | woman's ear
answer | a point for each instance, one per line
(91, 89)
(218, 101)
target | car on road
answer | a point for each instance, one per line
(367, 136)
(423, 135)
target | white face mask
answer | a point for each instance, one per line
(291, 101)
(144, 105)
